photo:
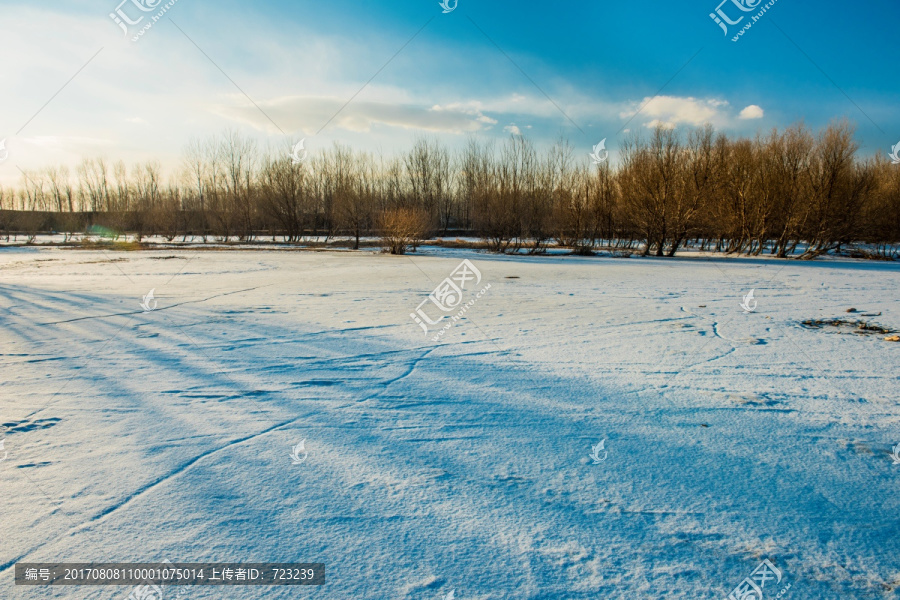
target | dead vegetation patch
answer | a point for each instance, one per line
(857, 327)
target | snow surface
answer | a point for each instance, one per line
(461, 465)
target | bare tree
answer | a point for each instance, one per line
(794, 152)
(93, 177)
(653, 180)
(286, 193)
(239, 157)
(197, 172)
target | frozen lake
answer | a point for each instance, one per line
(729, 436)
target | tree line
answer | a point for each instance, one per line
(790, 192)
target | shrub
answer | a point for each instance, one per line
(402, 228)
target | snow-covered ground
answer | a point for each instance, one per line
(729, 436)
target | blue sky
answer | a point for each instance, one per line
(301, 61)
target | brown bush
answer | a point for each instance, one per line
(402, 228)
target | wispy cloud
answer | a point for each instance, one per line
(309, 114)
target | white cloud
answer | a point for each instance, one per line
(671, 111)
(752, 112)
(513, 129)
